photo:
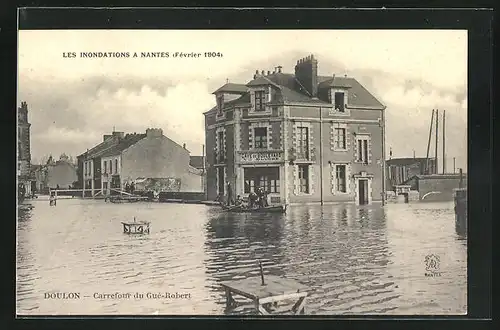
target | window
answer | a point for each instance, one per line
(274, 186)
(260, 137)
(221, 153)
(304, 179)
(362, 154)
(340, 178)
(105, 166)
(220, 103)
(303, 143)
(259, 100)
(249, 186)
(116, 165)
(110, 167)
(339, 102)
(340, 142)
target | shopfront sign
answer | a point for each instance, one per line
(260, 156)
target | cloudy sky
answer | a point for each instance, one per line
(74, 101)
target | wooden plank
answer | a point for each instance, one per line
(282, 297)
(299, 307)
(261, 310)
(253, 288)
(241, 293)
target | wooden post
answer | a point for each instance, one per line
(461, 182)
(261, 273)
(454, 169)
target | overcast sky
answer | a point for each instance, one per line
(74, 101)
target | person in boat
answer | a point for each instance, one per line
(127, 187)
(132, 188)
(252, 200)
(265, 198)
(239, 201)
(261, 195)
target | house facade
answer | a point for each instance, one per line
(25, 176)
(305, 138)
(136, 157)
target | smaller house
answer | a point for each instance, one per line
(399, 170)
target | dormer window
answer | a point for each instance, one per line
(259, 100)
(220, 103)
(339, 101)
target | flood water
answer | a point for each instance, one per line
(356, 260)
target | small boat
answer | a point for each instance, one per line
(244, 209)
(126, 199)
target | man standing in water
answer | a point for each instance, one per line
(229, 194)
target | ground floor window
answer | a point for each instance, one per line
(304, 179)
(220, 180)
(266, 177)
(340, 176)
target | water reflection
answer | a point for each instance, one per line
(356, 260)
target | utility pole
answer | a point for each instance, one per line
(454, 171)
(444, 143)
(427, 165)
(437, 136)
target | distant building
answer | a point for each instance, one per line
(305, 138)
(24, 174)
(437, 187)
(61, 173)
(150, 158)
(399, 170)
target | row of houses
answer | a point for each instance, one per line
(149, 160)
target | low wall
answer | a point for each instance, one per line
(191, 196)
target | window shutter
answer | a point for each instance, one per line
(348, 181)
(311, 141)
(355, 149)
(270, 136)
(335, 137)
(311, 179)
(347, 137)
(333, 177)
(250, 137)
(369, 150)
(295, 180)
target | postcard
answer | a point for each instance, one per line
(235, 172)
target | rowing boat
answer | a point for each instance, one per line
(123, 199)
(244, 209)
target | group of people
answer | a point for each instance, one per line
(256, 199)
(130, 188)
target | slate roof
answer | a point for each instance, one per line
(196, 161)
(290, 90)
(127, 141)
(232, 88)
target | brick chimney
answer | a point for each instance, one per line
(120, 135)
(306, 72)
(154, 132)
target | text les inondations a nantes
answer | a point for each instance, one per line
(209, 54)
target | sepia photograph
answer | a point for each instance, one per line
(241, 172)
